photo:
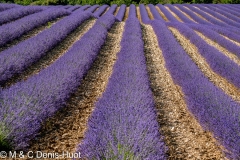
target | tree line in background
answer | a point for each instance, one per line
(110, 2)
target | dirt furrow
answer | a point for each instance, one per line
(105, 11)
(197, 14)
(125, 17)
(185, 14)
(235, 42)
(116, 11)
(227, 53)
(161, 14)
(174, 15)
(150, 15)
(183, 135)
(95, 9)
(53, 54)
(65, 130)
(29, 34)
(139, 14)
(202, 64)
(210, 15)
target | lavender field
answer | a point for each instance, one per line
(123, 82)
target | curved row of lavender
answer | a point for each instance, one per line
(192, 15)
(112, 9)
(210, 33)
(67, 6)
(184, 18)
(121, 13)
(155, 13)
(73, 8)
(219, 16)
(86, 7)
(17, 58)
(214, 36)
(222, 30)
(132, 11)
(227, 8)
(92, 8)
(169, 16)
(17, 28)
(124, 123)
(234, 6)
(6, 6)
(17, 12)
(212, 20)
(218, 62)
(100, 11)
(222, 12)
(25, 105)
(144, 14)
(214, 110)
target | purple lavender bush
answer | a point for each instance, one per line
(100, 11)
(121, 12)
(155, 13)
(184, 18)
(144, 15)
(215, 110)
(124, 123)
(17, 28)
(92, 8)
(192, 15)
(232, 47)
(211, 19)
(217, 9)
(6, 6)
(217, 15)
(229, 9)
(169, 16)
(112, 9)
(132, 11)
(85, 7)
(27, 104)
(73, 8)
(218, 62)
(17, 58)
(18, 12)
(221, 30)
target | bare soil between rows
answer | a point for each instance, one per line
(29, 34)
(65, 130)
(52, 55)
(183, 135)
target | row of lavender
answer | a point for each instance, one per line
(15, 29)
(21, 19)
(5, 6)
(194, 96)
(17, 58)
(228, 14)
(17, 12)
(124, 124)
(215, 110)
(25, 105)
